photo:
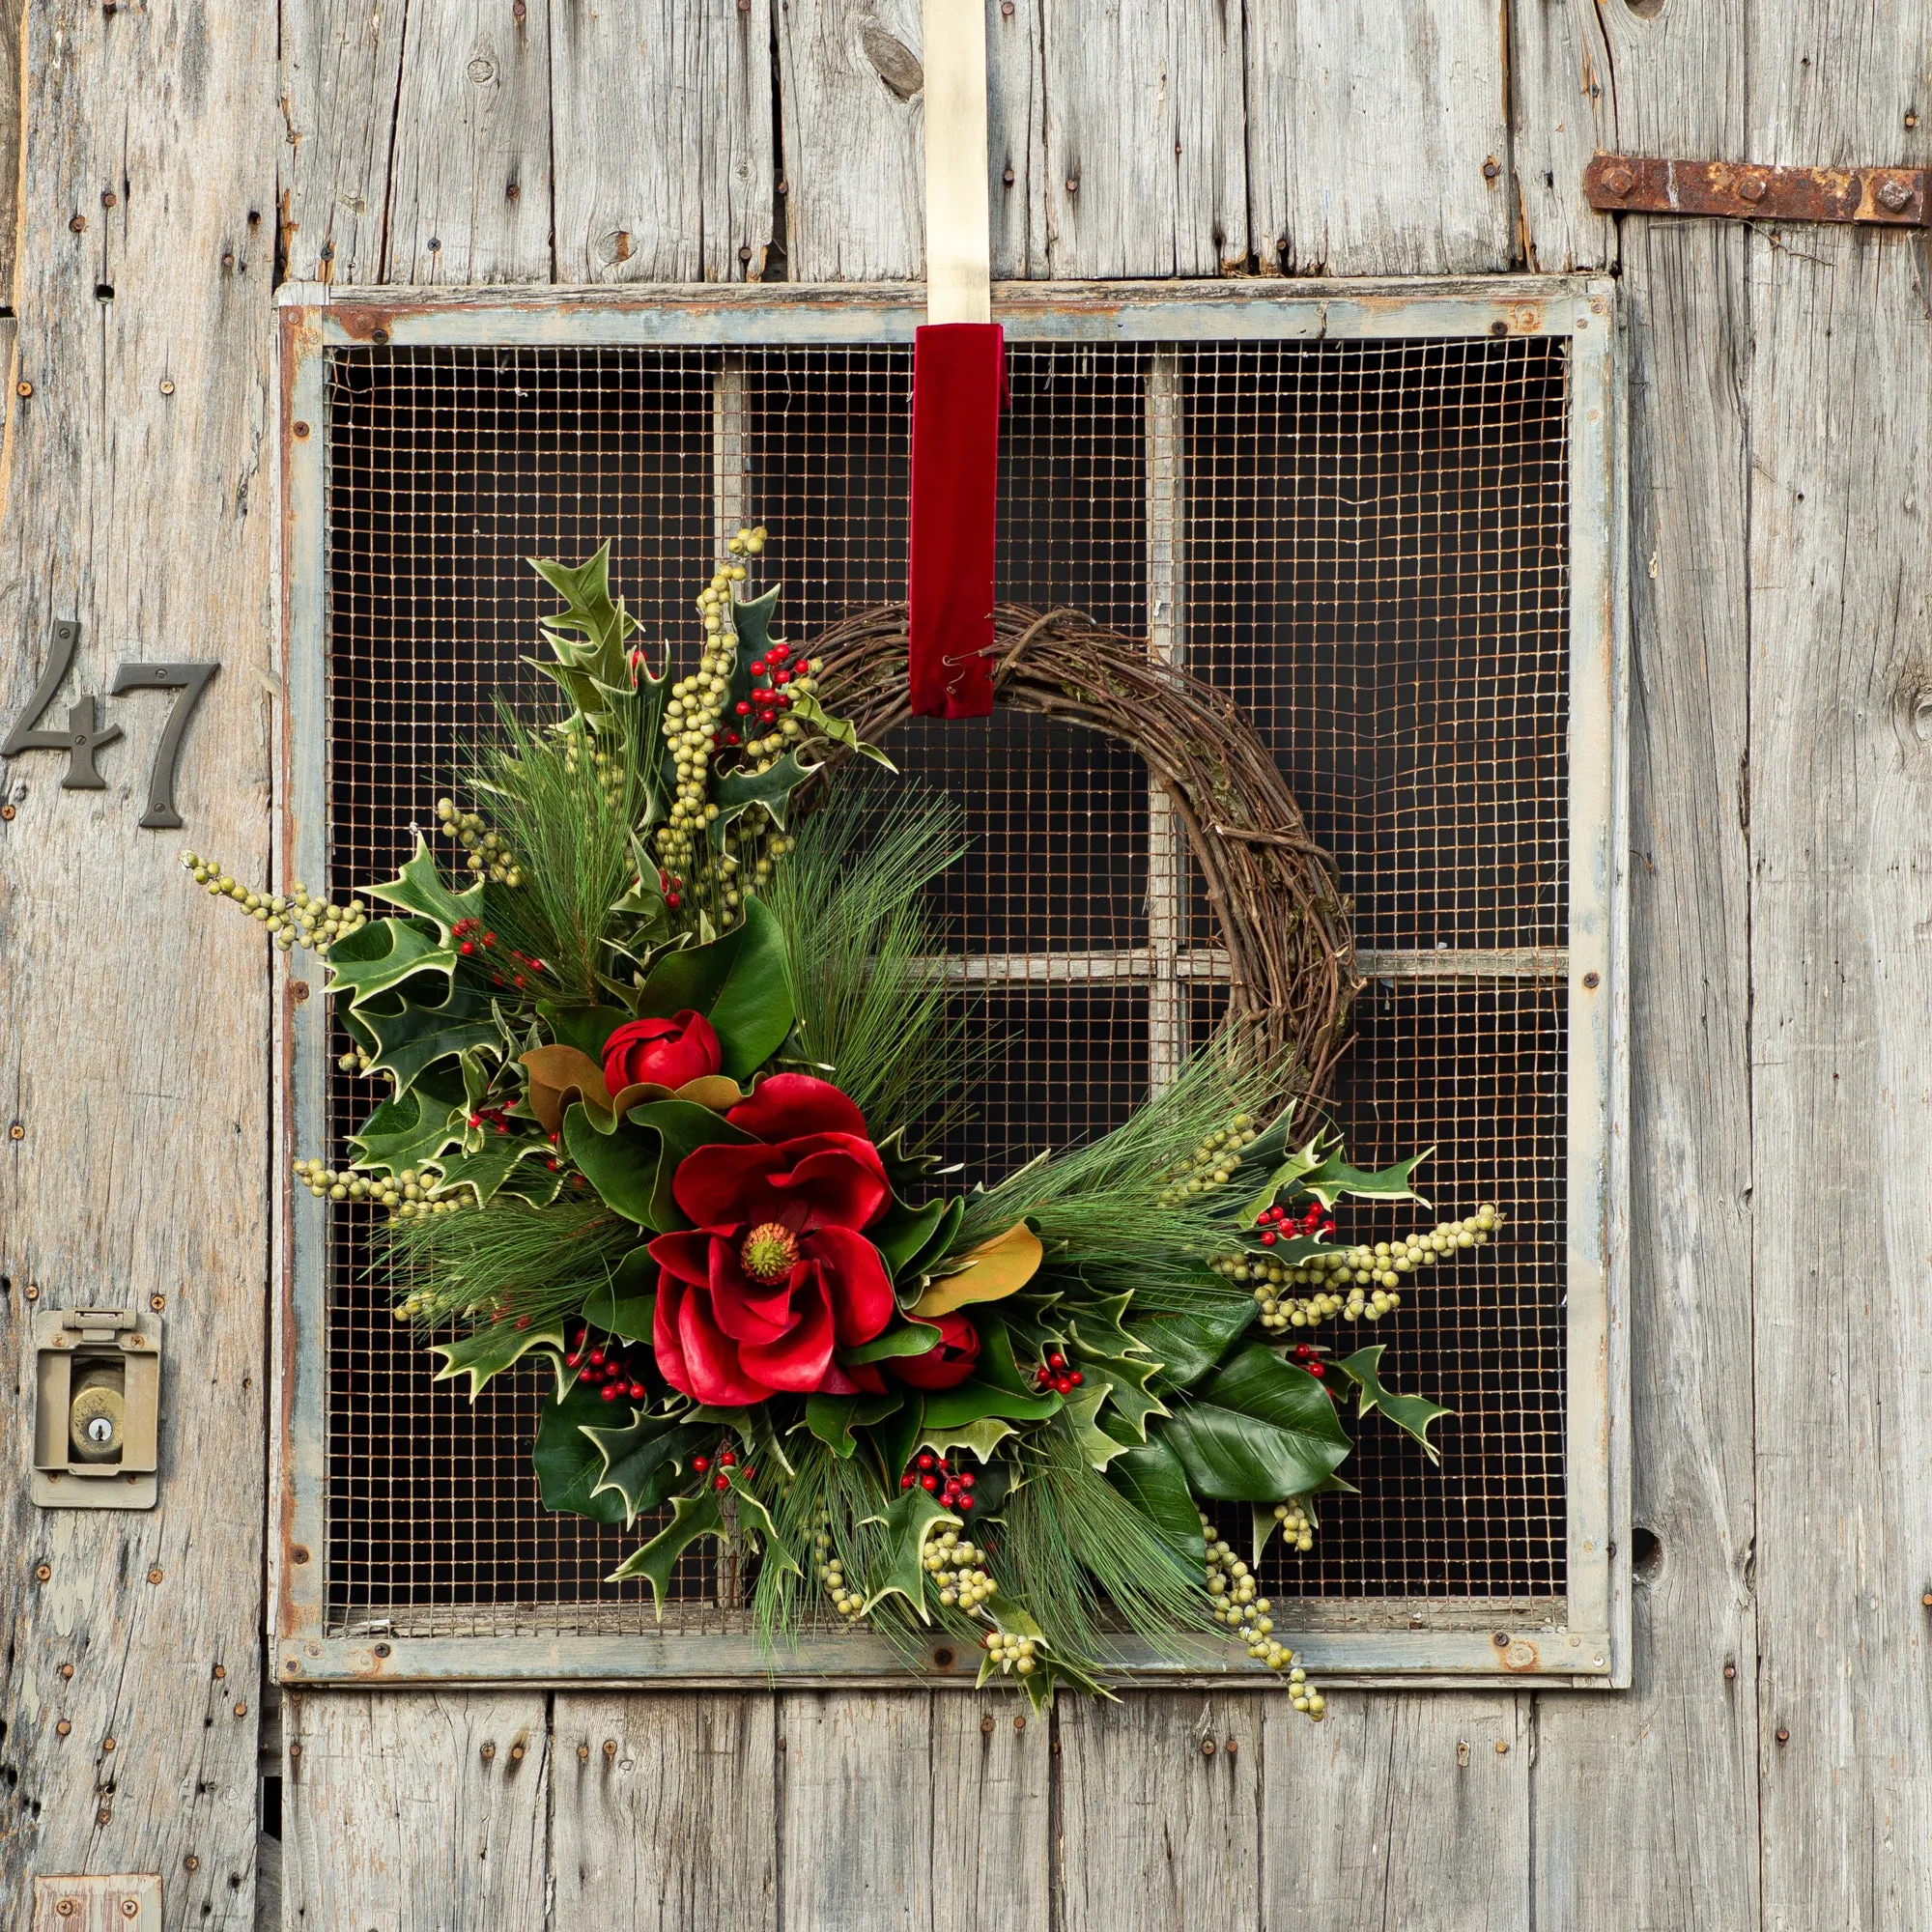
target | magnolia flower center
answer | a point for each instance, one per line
(769, 1252)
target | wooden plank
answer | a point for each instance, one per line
(409, 1810)
(1562, 111)
(12, 93)
(856, 1818)
(1146, 170)
(341, 65)
(470, 189)
(694, 201)
(1398, 1811)
(1378, 138)
(992, 1773)
(1154, 1831)
(1017, 138)
(1680, 1746)
(138, 502)
(665, 1804)
(854, 146)
(1839, 403)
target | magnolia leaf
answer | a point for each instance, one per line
(973, 1400)
(999, 1362)
(568, 1464)
(982, 1437)
(407, 1130)
(489, 1351)
(382, 955)
(913, 1339)
(989, 1273)
(895, 1437)
(586, 1027)
(558, 1077)
(737, 982)
(908, 1523)
(1189, 1346)
(691, 1516)
(1151, 1477)
(419, 888)
(903, 1233)
(641, 1461)
(1410, 1413)
(631, 1164)
(1261, 1429)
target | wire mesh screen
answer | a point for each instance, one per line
(1367, 551)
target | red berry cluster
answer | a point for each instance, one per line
(671, 887)
(607, 1363)
(1275, 1222)
(1054, 1373)
(466, 946)
(766, 703)
(936, 1476)
(1305, 1357)
(728, 1460)
(490, 1117)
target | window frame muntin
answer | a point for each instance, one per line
(1591, 1647)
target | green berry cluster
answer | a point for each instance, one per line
(958, 1568)
(490, 854)
(1239, 1603)
(749, 858)
(296, 921)
(1297, 1526)
(414, 1192)
(1011, 1652)
(832, 1573)
(1360, 1283)
(609, 766)
(1211, 1165)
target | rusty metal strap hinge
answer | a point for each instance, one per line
(1630, 184)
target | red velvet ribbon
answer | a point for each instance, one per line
(958, 389)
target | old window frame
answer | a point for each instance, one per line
(1590, 1647)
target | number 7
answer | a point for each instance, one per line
(190, 679)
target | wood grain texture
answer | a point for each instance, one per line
(470, 176)
(1562, 111)
(1404, 1811)
(855, 1810)
(666, 149)
(1679, 1749)
(1145, 165)
(341, 64)
(667, 1803)
(1017, 138)
(1840, 405)
(409, 1809)
(12, 88)
(1153, 1831)
(854, 141)
(139, 1170)
(992, 1772)
(1378, 138)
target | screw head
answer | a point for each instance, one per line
(1619, 181)
(1894, 196)
(1751, 190)
(17, 1131)
(167, 386)
(1492, 168)
(65, 1908)
(1592, 980)
(130, 1908)
(157, 1302)
(301, 430)
(7, 812)
(42, 1572)
(23, 388)
(154, 1575)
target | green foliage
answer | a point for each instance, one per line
(871, 1016)
(1410, 1413)
(737, 982)
(633, 1162)
(484, 1356)
(1261, 1430)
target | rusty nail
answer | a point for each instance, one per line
(1492, 168)
(745, 252)
(241, 1710)
(1072, 183)
(301, 431)
(611, 1746)
(511, 191)
(62, 1728)
(1462, 1751)
(1228, 1747)
(384, 1650)
(584, 1753)
(1006, 10)
(489, 1751)
(191, 1862)
(7, 812)
(783, 187)
(1926, 1599)
(295, 1750)
(1592, 980)
(1501, 1640)
(157, 1302)
(107, 1744)
(78, 223)
(1206, 1747)
(299, 1553)
(43, 1571)
(1020, 1723)
(380, 337)
(17, 1131)
(23, 388)
(1783, 1736)
(220, 1671)
(137, 1341)
(1730, 1671)
(154, 1575)
(744, 6)
(1502, 1748)
(103, 1816)
(299, 992)
(985, 1727)
(1619, 181)
(1894, 194)
(107, 197)
(66, 1670)
(519, 12)
(1007, 177)
(782, 1744)
(515, 1754)
(1751, 190)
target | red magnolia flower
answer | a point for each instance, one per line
(947, 1362)
(776, 1274)
(666, 1053)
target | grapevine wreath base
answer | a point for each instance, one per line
(657, 1057)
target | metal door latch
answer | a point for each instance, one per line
(96, 1407)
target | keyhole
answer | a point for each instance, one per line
(101, 1430)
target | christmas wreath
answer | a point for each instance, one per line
(663, 1055)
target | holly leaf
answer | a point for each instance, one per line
(691, 1516)
(588, 635)
(381, 955)
(631, 1163)
(488, 1171)
(737, 982)
(832, 1418)
(419, 888)
(408, 1037)
(755, 1519)
(910, 1518)
(1126, 1381)
(1260, 1430)
(989, 1273)
(1335, 1178)
(813, 716)
(772, 788)
(1410, 1413)
(1282, 1180)
(1189, 1346)
(1098, 1448)
(1151, 1477)
(489, 1351)
(407, 1129)
(642, 1460)
(913, 1339)
(982, 1437)
(975, 1399)
(568, 1463)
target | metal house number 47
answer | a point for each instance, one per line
(85, 734)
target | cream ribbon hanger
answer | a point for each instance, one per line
(959, 225)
